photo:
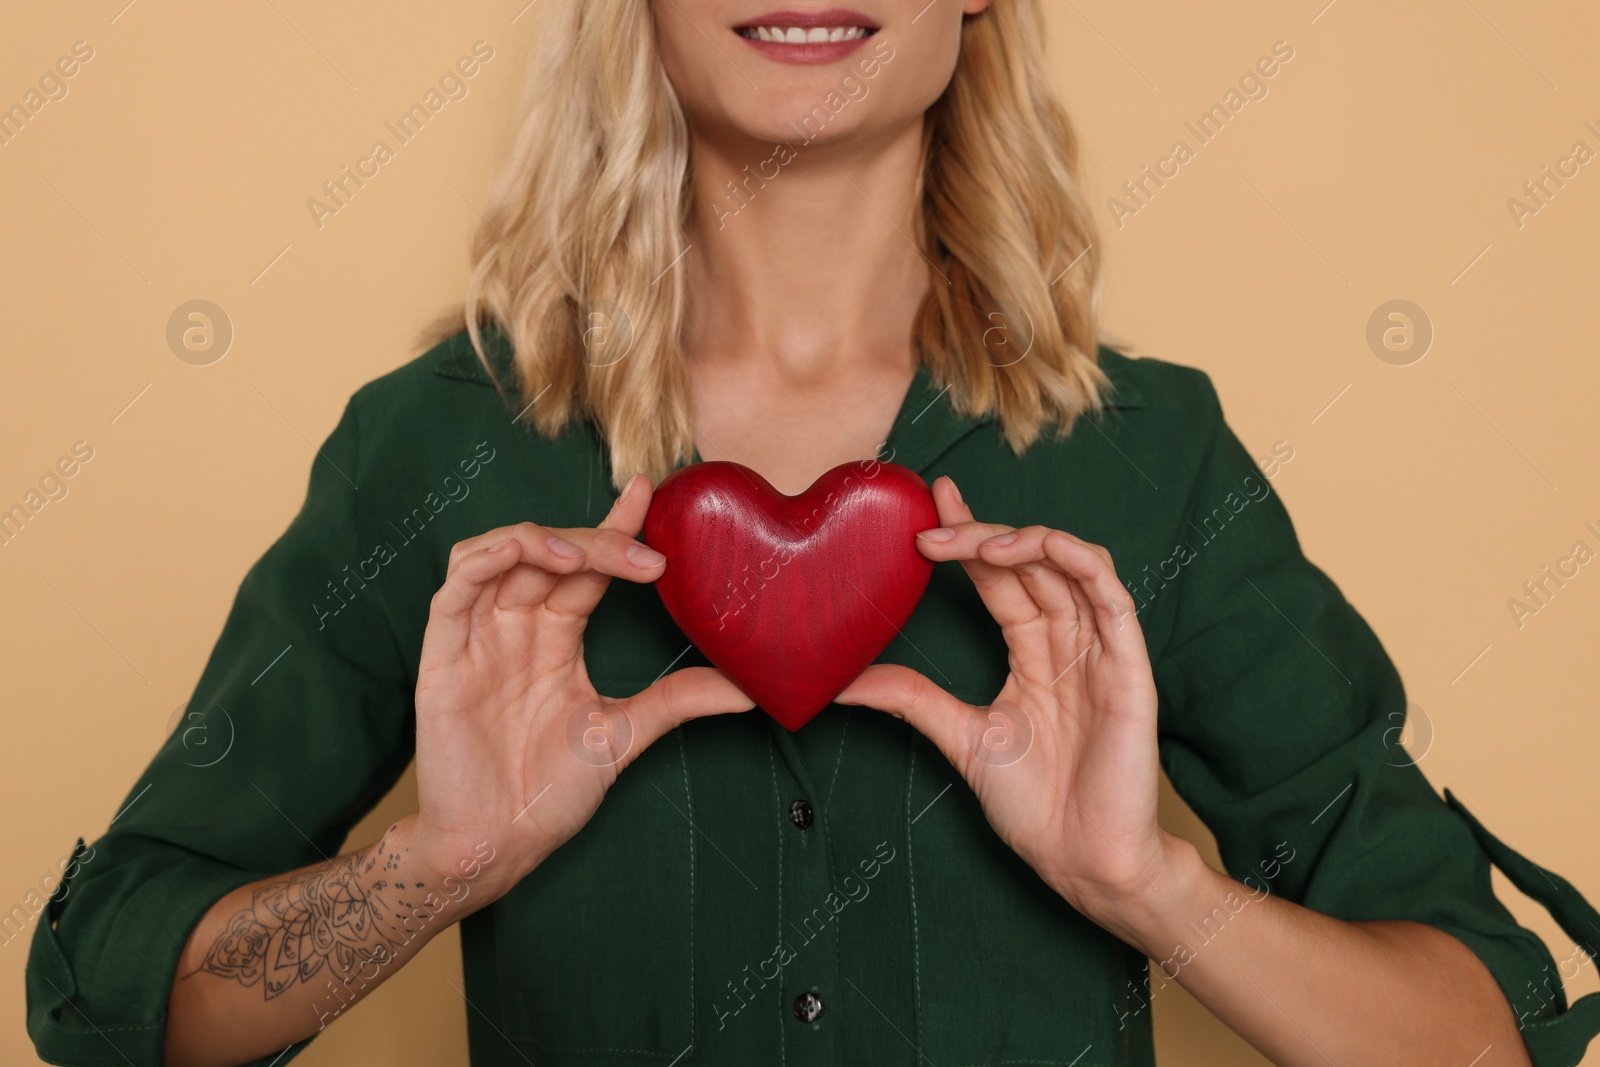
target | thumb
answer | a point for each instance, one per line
(684, 694)
(627, 513)
(909, 695)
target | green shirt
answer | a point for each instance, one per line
(681, 925)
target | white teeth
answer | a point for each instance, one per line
(805, 35)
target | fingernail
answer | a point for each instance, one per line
(627, 491)
(999, 540)
(644, 556)
(562, 547)
(956, 488)
(501, 545)
(938, 533)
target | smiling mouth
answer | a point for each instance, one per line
(805, 34)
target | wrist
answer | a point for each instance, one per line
(460, 872)
(1149, 912)
(415, 902)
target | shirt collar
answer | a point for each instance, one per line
(461, 361)
(928, 424)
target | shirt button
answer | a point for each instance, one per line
(800, 814)
(808, 1007)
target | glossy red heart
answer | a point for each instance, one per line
(791, 596)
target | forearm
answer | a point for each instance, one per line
(1307, 989)
(275, 961)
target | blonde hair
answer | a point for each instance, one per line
(594, 196)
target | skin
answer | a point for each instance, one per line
(800, 347)
(799, 356)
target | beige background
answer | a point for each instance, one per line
(1378, 167)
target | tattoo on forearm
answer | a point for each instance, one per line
(331, 917)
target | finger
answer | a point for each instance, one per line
(999, 587)
(913, 697)
(632, 516)
(606, 554)
(1040, 576)
(469, 583)
(527, 532)
(690, 693)
(959, 540)
(1080, 600)
(1115, 616)
(524, 587)
(611, 551)
(545, 556)
(613, 554)
(541, 547)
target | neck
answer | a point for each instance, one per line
(807, 262)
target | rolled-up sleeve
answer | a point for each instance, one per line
(300, 722)
(1281, 719)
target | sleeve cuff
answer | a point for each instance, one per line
(1555, 1035)
(112, 1009)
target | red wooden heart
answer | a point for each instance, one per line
(791, 596)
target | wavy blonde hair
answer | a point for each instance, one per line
(593, 199)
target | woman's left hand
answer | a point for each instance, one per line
(1064, 760)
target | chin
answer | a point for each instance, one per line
(820, 103)
(793, 120)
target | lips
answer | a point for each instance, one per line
(807, 36)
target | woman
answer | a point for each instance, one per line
(879, 250)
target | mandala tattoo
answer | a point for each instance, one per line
(297, 926)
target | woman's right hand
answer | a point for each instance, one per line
(514, 746)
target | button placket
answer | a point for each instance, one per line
(807, 925)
